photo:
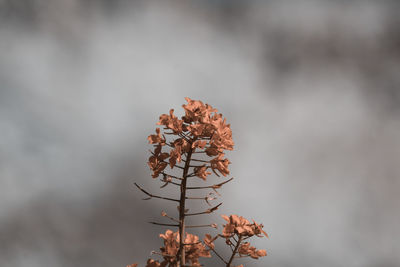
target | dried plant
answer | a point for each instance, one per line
(192, 140)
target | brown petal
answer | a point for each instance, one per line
(226, 218)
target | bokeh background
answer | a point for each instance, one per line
(311, 89)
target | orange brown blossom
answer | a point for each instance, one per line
(201, 129)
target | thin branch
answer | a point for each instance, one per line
(234, 252)
(165, 224)
(201, 198)
(186, 134)
(178, 167)
(166, 128)
(233, 237)
(210, 186)
(172, 176)
(231, 246)
(155, 196)
(204, 212)
(164, 214)
(215, 172)
(175, 183)
(188, 139)
(188, 244)
(170, 145)
(197, 166)
(197, 226)
(227, 238)
(219, 256)
(207, 199)
(200, 160)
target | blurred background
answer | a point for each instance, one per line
(311, 89)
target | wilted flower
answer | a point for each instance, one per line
(171, 122)
(202, 172)
(156, 138)
(156, 161)
(246, 249)
(153, 263)
(208, 240)
(220, 164)
(193, 248)
(199, 144)
(197, 111)
(241, 226)
(258, 229)
(200, 128)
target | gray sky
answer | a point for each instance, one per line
(310, 90)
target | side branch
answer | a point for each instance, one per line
(214, 186)
(204, 212)
(213, 225)
(165, 224)
(219, 256)
(172, 176)
(155, 196)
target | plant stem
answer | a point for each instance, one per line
(181, 261)
(234, 252)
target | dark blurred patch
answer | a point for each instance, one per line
(24, 12)
(109, 229)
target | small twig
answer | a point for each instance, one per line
(155, 196)
(204, 212)
(207, 199)
(165, 224)
(219, 256)
(197, 166)
(233, 237)
(172, 176)
(186, 134)
(201, 198)
(179, 167)
(210, 186)
(175, 183)
(166, 128)
(215, 172)
(197, 226)
(168, 144)
(186, 138)
(234, 252)
(188, 244)
(199, 160)
(164, 214)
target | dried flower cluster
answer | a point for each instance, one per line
(239, 228)
(201, 128)
(204, 133)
